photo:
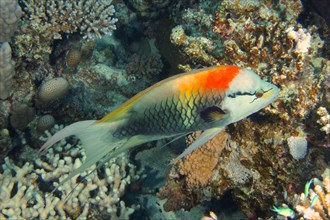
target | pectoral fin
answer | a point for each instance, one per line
(203, 138)
(213, 113)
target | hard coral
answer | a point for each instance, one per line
(144, 66)
(178, 197)
(10, 13)
(324, 120)
(314, 202)
(150, 9)
(21, 115)
(45, 122)
(267, 38)
(195, 174)
(45, 21)
(53, 90)
(73, 57)
(298, 147)
(198, 167)
(25, 190)
(6, 70)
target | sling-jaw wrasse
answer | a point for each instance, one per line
(206, 99)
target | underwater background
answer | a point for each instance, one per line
(67, 61)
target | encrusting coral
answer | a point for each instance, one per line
(198, 166)
(25, 190)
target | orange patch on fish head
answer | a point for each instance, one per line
(219, 78)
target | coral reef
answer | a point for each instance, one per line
(253, 173)
(253, 159)
(45, 21)
(63, 71)
(25, 190)
(256, 163)
(266, 41)
(198, 169)
(318, 204)
(314, 202)
(150, 9)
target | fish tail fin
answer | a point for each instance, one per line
(97, 140)
(73, 129)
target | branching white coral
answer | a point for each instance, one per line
(324, 120)
(21, 194)
(91, 18)
(301, 38)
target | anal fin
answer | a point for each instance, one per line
(203, 138)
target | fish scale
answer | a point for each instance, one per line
(173, 115)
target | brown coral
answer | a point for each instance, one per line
(177, 197)
(194, 174)
(21, 115)
(73, 57)
(53, 90)
(198, 166)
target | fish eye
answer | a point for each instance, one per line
(259, 93)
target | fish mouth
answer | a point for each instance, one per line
(272, 93)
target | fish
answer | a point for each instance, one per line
(205, 99)
(284, 211)
(307, 186)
